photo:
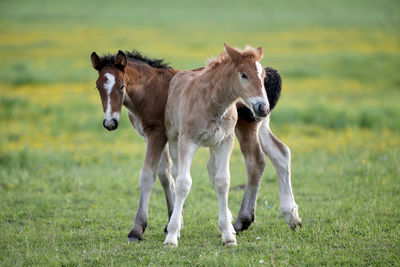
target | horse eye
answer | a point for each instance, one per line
(243, 75)
(122, 87)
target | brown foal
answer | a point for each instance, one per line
(141, 85)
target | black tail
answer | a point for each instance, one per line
(273, 86)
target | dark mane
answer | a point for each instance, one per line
(134, 55)
(155, 63)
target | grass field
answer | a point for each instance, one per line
(69, 189)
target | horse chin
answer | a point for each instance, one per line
(113, 129)
(258, 118)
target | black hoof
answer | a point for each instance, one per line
(296, 225)
(133, 240)
(134, 236)
(243, 223)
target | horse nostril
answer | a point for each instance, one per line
(104, 124)
(115, 124)
(261, 109)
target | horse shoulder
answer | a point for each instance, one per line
(136, 123)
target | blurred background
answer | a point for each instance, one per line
(334, 53)
(339, 113)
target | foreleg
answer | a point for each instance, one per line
(183, 183)
(155, 144)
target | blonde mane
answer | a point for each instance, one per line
(223, 57)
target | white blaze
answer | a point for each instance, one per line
(259, 73)
(263, 98)
(108, 85)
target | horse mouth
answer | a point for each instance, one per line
(260, 109)
(110, 125)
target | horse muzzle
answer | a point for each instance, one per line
(261, 109)
(110, 124)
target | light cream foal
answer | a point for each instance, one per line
(201, 111)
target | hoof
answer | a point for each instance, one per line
(171, 241)
(166, 232)
(295, 223)
(134, 236)
(292, 219)
(169, 244)
(133, 240)
(229, 240)
(230, 243)
(243, 223)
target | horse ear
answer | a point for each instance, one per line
(260, 53)
(120, 60)
(95, 61)
(233, 54)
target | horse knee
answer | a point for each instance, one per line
(221, 184)
(278, 152)
(285, 150)
(182, 186)
(283, 160)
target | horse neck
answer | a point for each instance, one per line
(138, 82)
(223, 97)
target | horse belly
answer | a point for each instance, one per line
(173, 115)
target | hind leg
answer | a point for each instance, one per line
(173, 152)
(279, 154)
(246, 133)
(167, 182)
(212, 171)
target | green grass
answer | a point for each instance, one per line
(69, 189)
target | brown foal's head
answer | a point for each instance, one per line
(248, 78)
(111, 86)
